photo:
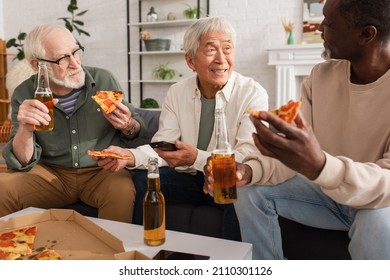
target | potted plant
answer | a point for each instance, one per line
(162, 72)
(154, 44)
(71, 23)
(192, 12)
(149, 103)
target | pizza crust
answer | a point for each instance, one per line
(108, 154)
(48, 254)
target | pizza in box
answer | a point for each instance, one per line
(19, 243)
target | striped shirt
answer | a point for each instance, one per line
(68, 101)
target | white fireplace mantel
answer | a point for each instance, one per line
(292, 63)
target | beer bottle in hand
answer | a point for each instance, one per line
(223, 160)
(44, 94)
(154, 207)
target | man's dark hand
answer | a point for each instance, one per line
(294, 145)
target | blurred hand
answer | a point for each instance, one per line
(114, 164)
(295, 145)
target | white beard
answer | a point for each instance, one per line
(67, 82)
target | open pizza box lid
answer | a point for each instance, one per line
(72, 235)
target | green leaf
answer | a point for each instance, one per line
(69, 26)
(22, 36)
(81, 13)
(72, 8)
(10, 43)
(73, 2)
(85, 33)
(20, 55)
(80, 31)
(79, 22)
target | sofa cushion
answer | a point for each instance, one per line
(151, 118)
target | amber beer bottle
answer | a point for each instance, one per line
(44, 94)
(223, 160)
(154, 207)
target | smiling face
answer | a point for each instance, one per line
(213, 62)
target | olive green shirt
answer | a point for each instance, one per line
(72, 136)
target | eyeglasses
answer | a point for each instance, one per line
(65, 60)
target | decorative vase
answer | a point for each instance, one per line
(152, 15)
(290, 39)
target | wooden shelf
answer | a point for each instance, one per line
(140, 61)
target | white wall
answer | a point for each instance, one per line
(1, 20)
(257, 22)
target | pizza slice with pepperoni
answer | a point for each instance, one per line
(107, 99)
(17, 243)
(287, 112)
(108, 154)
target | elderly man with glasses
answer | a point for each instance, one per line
(53, 169)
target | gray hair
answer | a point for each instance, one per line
(203, 26)
(33, 46)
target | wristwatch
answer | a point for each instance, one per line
(131, 128)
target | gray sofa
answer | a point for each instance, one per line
(299, 241)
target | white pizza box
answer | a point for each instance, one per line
(72, 235)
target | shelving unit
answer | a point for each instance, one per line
(141, 83)
(3, 90)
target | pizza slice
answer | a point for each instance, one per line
(48, 254)
(108, 154)
(17, 243)
(107, 99)
(287, 112)
(9, 255)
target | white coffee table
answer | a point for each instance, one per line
(132, 238)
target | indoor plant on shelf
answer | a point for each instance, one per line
(163, 72)
(154, 44)
(192, 12)
(149, 103)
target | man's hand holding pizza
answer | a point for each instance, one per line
(294, 145)
(117, 113)
(113, 158)
(119, 116)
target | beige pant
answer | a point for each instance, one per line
(47, 186)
